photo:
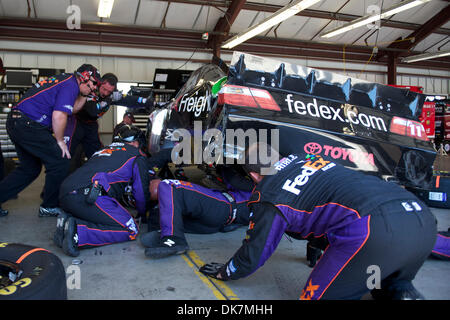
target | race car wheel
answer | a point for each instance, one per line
(30, 273)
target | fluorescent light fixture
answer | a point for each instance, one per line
(105, 8)
(277, 17)
(426, 56)
(402, 6)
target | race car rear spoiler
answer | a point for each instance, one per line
(255, 71)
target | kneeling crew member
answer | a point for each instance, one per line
(366, 220)
(90, 196)
(187, 207)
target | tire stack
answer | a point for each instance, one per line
(30, 273)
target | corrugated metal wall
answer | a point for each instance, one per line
(141, 68)
(139, 65)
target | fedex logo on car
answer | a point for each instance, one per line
(327, 112)
(193, 103)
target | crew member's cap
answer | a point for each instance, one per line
(130, 115)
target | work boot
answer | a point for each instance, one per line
(401, 290)
(3, 212)
(58, 237)
(49, 212)
(167, 246)
(70, 241)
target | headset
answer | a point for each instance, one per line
(88, 71)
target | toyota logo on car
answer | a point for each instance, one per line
(352, 155)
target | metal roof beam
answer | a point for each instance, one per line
(224, 24)
(107, 29)
(253, 6)
(424, 31)
(97, 27)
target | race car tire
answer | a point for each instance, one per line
(155, 133)
(41, 277)
(438, 196)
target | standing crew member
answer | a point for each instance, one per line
(43, 110)
(366, 221)
(83, 126)
(90, 196)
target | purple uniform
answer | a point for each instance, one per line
(29, 126)
(107, 221)
(441, 248)
(187, 207)
(56, 93)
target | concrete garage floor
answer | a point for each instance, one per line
(122, 271)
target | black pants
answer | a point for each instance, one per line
(396, 245)
(35, 147)
(101, 223)
(187, 207)
(87, 135)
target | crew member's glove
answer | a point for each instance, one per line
(116, 95)
(215, 270)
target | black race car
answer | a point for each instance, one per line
(366, 126)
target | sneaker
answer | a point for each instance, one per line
(49, 212)
(3, 212)
(59, 233)
(150, 239)
(70, 241)
(167, 246)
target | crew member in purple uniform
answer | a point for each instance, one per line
(89, 196)
(185, 207)
(368, 223)
(36, 127)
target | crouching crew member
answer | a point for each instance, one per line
(191, 208)
(368, 222)
(89, 196)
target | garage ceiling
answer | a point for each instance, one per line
(179, 25)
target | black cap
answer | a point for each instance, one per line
(128, 133)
